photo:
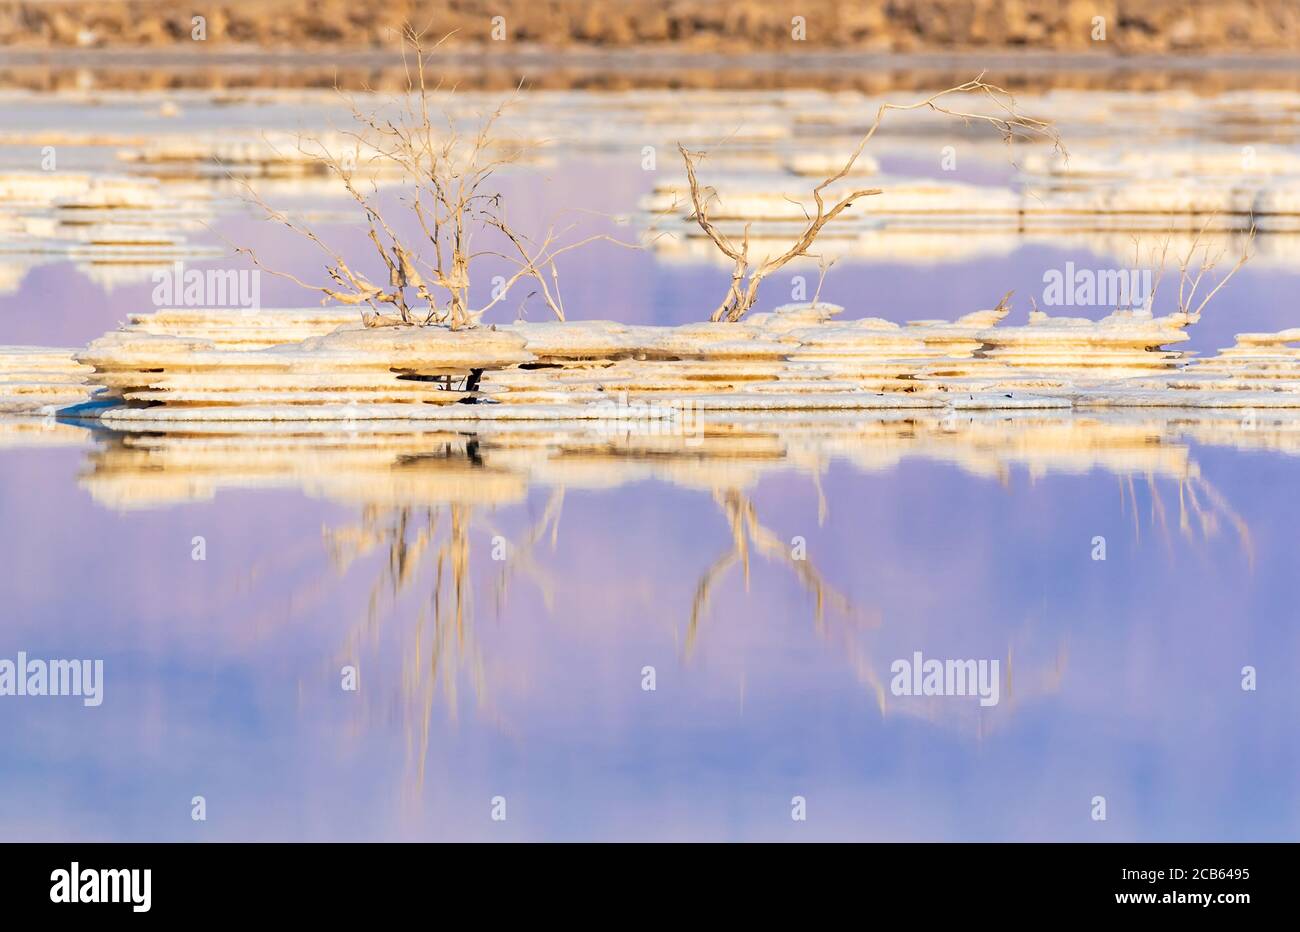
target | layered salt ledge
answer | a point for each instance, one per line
(916, 246)
(774, 207)
(783, 119)
(1186, 160)
(349, 373)
(101, 218)
(76, 190)
(187, 366)
(41, 380)
(1159, 183)
(242, 329)
(1109, 169)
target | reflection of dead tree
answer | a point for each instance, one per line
(747, 532)
(1021, 683)
(522, 558)
(415, 540)
(748, 273)
(1207, 514)
(445, 173)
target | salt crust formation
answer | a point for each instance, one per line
(303, 365)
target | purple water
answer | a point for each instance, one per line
(222, 676)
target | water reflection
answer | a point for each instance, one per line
(425, 506)
(956, 537)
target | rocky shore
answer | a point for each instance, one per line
(1110, 27)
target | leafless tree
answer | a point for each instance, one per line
(1193, 267)
(445, 171)
(748, 273)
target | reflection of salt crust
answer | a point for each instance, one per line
(389, 463)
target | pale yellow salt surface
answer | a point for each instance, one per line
(179, 366)
(40, 380)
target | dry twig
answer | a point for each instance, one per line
(446, 172)
(748, 273)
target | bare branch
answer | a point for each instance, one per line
(746, 276)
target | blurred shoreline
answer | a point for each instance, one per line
(489, 68)
(1108, 26)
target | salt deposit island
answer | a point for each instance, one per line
(187, 366)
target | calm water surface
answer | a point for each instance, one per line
(523, 678)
